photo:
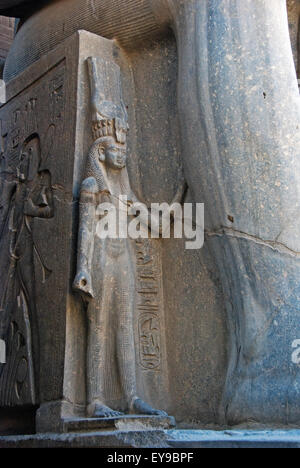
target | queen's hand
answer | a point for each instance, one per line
(83, 283)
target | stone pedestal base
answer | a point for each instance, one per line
(122, 432)
(99, 439)
(123, 423)
(193, 439)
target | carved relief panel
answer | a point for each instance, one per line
(28, 137)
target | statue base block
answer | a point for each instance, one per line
(90, 439)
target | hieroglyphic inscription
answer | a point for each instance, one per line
(56, 92)
(148, 304)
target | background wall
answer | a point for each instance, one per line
(7, 27)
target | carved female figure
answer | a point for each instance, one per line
(106, 275)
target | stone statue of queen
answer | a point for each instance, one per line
(106, 267)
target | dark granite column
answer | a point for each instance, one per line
(293, 7)
(239, 107)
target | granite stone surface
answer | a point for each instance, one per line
(147, 99)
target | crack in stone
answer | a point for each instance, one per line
(274, 245)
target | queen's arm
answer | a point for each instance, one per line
(150, 218)
(87, 225)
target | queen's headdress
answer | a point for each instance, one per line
(109, 112)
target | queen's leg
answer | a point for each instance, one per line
(97, 354)
(125, 342)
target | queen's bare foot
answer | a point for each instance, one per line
(139, 406)
(99, 410)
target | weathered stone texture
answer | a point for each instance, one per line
(209, 86)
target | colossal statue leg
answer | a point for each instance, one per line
(239, 106)
(293, 7)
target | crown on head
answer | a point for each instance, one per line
(115, 127)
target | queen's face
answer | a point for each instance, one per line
(115, 154)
